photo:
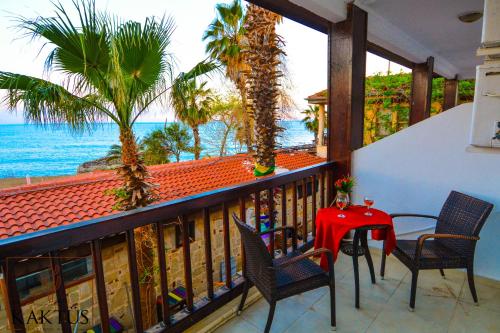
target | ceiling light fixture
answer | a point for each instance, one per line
(470, 17)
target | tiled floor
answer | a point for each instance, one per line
(442, 305)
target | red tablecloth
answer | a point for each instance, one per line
(330, 229)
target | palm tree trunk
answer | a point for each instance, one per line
(246, 119)
(197, 142)
(138, 194)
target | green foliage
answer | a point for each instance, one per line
(310, 119)
(387, 104)
(160, 144)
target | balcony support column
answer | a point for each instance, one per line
(347, 45)
(450, 93)
(421, 91)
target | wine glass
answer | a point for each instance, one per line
(368, 203)
(341, 203)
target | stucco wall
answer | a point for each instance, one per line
(415, 169)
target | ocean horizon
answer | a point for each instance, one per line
(36, 151)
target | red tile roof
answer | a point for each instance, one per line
(30, 208)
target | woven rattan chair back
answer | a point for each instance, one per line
(259, 264)
(462, 215)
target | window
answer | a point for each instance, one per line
(178, 234)
(40, 283)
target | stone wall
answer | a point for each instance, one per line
(83, 296)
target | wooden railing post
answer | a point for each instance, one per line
(100, 285)
(160, 241)
(134, 280)
(208, 252)
(13, 299)
(227, 244)
(450, 98)
(186, 249)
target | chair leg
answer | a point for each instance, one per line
(414, 277)
(246, 286)
(442, 273)
(333, 315)
(364, 243)
(472, 285)
(356, 271)
(270, 317)
(382, 266)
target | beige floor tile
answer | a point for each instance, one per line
(472, 318)
(287, 311)
(238, 325)
(432, 282)
(488, 295)
(312, 322)
(349, 319)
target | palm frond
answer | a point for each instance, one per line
(44, 102)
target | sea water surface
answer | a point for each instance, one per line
(30, 150)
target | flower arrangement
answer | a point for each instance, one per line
(345, 184)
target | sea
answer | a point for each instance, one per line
(36, 151)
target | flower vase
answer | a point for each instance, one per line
(342, 200)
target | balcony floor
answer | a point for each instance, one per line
(442, 305)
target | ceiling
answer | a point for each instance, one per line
(417, 29)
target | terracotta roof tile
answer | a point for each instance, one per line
(30, 208)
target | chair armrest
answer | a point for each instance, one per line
(327, 252)
(421, 240)
(414, 215)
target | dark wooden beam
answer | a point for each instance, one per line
(450, 93)
(295, 13)
(346, 88)
(389, 55)
(421, 90)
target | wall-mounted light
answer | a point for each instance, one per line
(470, 17)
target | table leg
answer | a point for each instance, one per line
(356, 267)
(364, 244)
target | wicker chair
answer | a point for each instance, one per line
(283, 277)
(452, 245)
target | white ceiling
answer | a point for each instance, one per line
(417, 29)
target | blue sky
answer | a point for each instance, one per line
(306, 49)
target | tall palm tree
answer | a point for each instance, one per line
(264, 53)
(226, 37)
(192, 105)
(310, 121)
(114, 71)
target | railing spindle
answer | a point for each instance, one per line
(62, 301)
(283, 219)
(304, 210)
(227, 244)
(186, 249)
(13, 296)
(294, 211)
(162, 263)
(243, 217)
(257, 211)
(134, 280)
(100, 285)
(208, 252)
(313, 204)
(270, 206)
(322, 189)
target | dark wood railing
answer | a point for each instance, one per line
(49, 242)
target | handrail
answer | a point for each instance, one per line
(61, 237)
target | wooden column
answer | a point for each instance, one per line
(421, 90)
(346, 90)
(450, 93)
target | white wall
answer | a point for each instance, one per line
(415, 169)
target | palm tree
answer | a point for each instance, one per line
(264, 53)
(114, 71)
(226, 37)
(192, 105)
(310, 120)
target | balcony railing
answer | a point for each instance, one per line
(52, 241)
